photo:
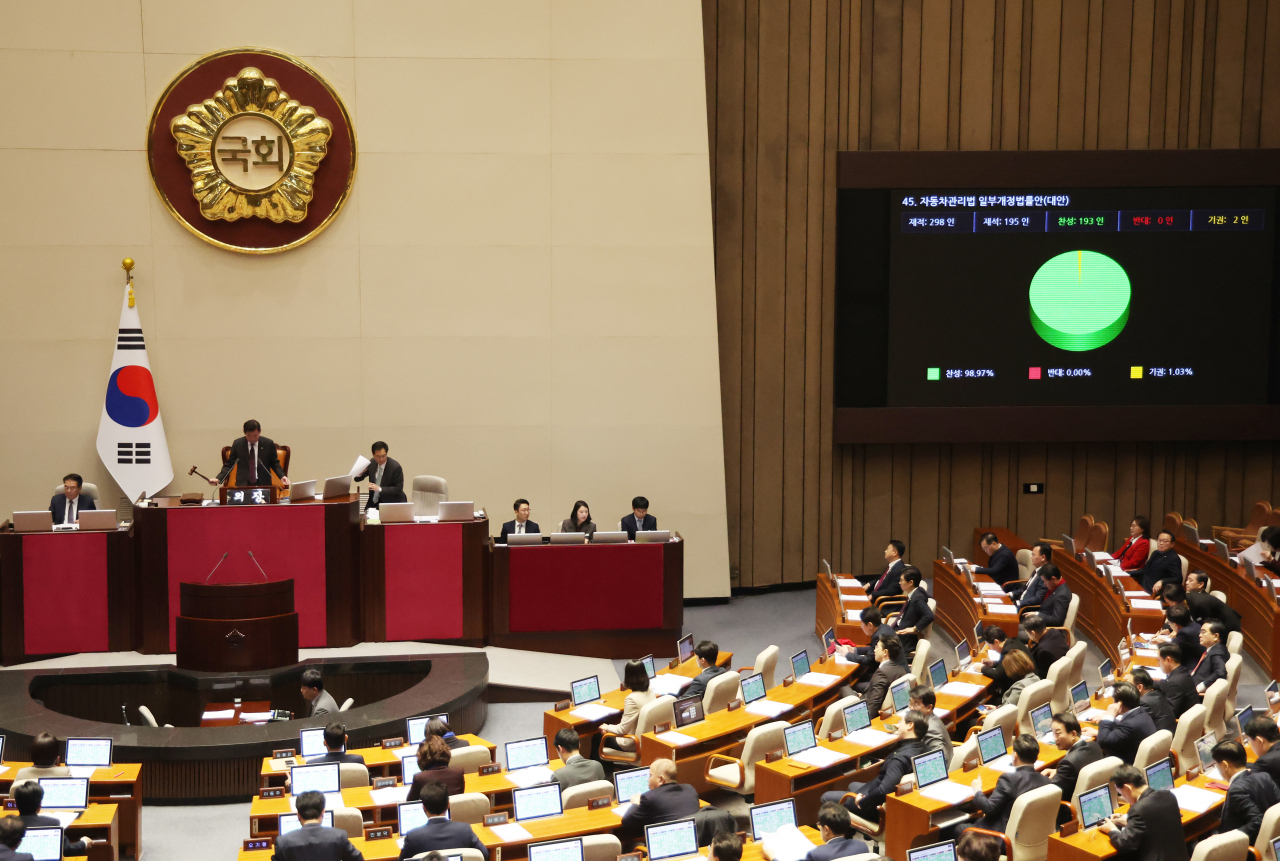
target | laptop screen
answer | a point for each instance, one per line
(586, 690)
(688, 710)
(536, 802)
(410, 815)
(1042, 718)
(318, 778)
(799, 737)
(1080, 693)
(291, 822)
(65, 793)
(962, 652)
(901, 692)
(43, 844)
(856, 717)
(977, 633)
(1160, 775)
(829, 640)
(1204, 747)
(408, 767)
(1273, 688)
(768, 818)
(311, 743)
(89, 751)
(1095, 806)
(991, 744)
(930, 768)
(936, 852)
(1105, 668)
(630, 783)
(938, 673)
(558, 850)
(649, 671)
(416, 727)
(684, 647)
(526, 753)
(1243, 716)
(800, 663)
(753, 688)
(671, 839)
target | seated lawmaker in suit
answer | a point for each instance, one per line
(580, 520)
(1047, 644)
(705, 653)
(434, 757)
(1004, 565)
(521, 525)
(439, 727)
(1200, 603)
(864, 799)
(888, 582)
(66, 506)
(1153, 701)
(255, 459)
(665, 801)
(11, 833)
(889, 669)
(312, 687)
(439, 833)
(1153, 826)
(1080, 752)
(1177, 685)
(1183, 632)
(1264, 739)
(1164, 566)
(923, 700)
(1021, 672)
(1057, 597)
(1213, 663)
(1024, 778)
(1126, 726)
(725, 846)
(29, 795)
(837, 832)
(314, 841)
(639, 520)
(1249, 793)
(335, 742)
(978, 846)
(916, 615)
(576, 769)
(639, 695)
(995, 638)
(386, 478)
(1133, 554)
(1033, 591)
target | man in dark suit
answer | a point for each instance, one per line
(1152, 829)
(888, 581)
(1046, 645)
(1032, 592)
(706, 653)
(313, 841)
(1249, 793)
(439, 833)
(1024, 778)
(639, 520)
(888, 671)
(916, 615)
(1153, 701)
(1177, 686)
(837, 835)
(1004, 564)
(995, 637)
(335, 743)
(1202, 605)
(1057, 597)
(1126, 725)
(1213, 663)
(1264, 738)
(1164, 566)
(576, 769)
(867, 797)
(665, 801)
(66, 506)
(521, 525)
(12, 831)
(29, 795)
(386, 478)
(255, 458)
(1080, 752)
(1184, 632)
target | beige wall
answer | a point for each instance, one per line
(519, 296)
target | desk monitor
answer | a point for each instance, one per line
(1068, 544)
(684, 647)
(609, 538)
(42, 844)
(586, 690)
(991, 745)
(100, 520)
(526, 753)
(302, 491)
(656, 536)
(1191, 533)
(568, 538)
(88, 751)
(938, 674)
(753, 688)
(338, 486)
(1224, 552)
(649, 671)
(856, 717)
(930, 768)
(1272, 690)
(311, 743)
(963, 655)
(416, 727)
(1042, 718)
(1096, 805)
(395, 512)
(1, 748)
(291, 821)
(799, 738)
(1105, 669)
(65, 793)
(630, 783)
(524, 538)
(978, 632)
(557, 850)
(1204, 748)
(800, 663)
(33, 521)
(457, 512)
(536, 802)
(688, 711)
(1160, 774)
(828, 641)
(936, 852)
(671, 839)
(1275, 847)
(409, 815)
(948, 557)
(768, 818)
(1080, 695)
(1243, 716)
(409, 766)
(318, 778)
(901, 693)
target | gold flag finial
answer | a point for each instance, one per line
(127, 265)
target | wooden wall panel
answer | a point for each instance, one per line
(789, 85)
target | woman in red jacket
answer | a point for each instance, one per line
(1134, 552)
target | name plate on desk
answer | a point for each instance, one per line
(284, 753)
(774, 755)
(10, 804)
(495, 819)
(836, 735)
(599, 803)
(1068, 828)
(491, 768)
(257, 844)
(735, 705)
(788, 681)
(383, 782)
(904, 788)
(276, 792)
(248, 495)
(660, 728)
(383, 833)
(970, 764)
(563, 705)
(675, 662)
(631, 856)
(389, 743)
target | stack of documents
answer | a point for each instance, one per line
(817, 680)
(787, 844)
(675, 739)
(869, 737)
(669, 684)
(387, 795)
(1002, 609)
(594, 711)
(847, 582)
(83, 770)
(523, 777)
(960, 689)
(948, 791)
(512, 832)
(225, 714)
(990, 588)
(820, 757)
(1195, 799)
(255, 717)
(768, 708)
(1146, 605)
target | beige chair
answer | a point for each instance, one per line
(765, 664)
(469, 807)
(1077, 653)
(1154, 748)
(1185, 566)
(1005, 717)
(428, 492)
(1269, 831)
(1033, 696)
(721, 690)
(32, 772)
(600, 847)
(470, 758)
(1093, 775)
(1025, 568)
(150, 718)
(1235, 639)
(1234, 664)
(1190, 728)
(1216, 715)
(87, 490)
(352, 774)
(963, 751)
(463, 854)
(833, 718)
(1221, 596)
(920, 663)
(1073, 609)
(349, 819)
(347, 704)
(739, 774)
(1033, 818)
(578, 796)
(1232, 846)
(1060, 677)
(655, 712)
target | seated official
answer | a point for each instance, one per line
(335, 742)
(1177, 685)
(1200, 603)
(996, 808)
(995, 638)
(1057, 597)
(1164, 566)
(923, 700)
(665, 801)
(874, 627)
(976, 846)
(45, 760)
(725, 846)
(1004, 564)
(66, 506)
(916, 615)
(1079, 753)
(521, 525)
(1257, 552)
(887, 583)
(439, 833)
(434, 757)
(386, 478)
(1153, 701)
(1133, 554)
(1264, 740)
(1152, 829)
(579, 520)
(838, 836)
(29, 796)
(1213, 663)
(705, 653)
(577, 769)
(1021, 672)
(314, 841)
(12, 830)
(636, 681)
(1047, 644)
(256, 459)
(1033, 591)
(440, 728)
(321, 701)
(639, 520)
(865, 798)
(1249, 793)
(1184, 632)
(889, 668)
(1122, 731)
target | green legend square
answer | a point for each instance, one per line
(933, 373)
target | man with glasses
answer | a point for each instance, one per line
(522, 525)
(66, 506)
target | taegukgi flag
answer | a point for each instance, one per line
(131, 438)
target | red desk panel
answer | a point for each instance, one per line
(64, 584)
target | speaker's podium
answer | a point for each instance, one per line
(236, 627)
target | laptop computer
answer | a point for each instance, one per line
(311, 743)
(1068, 544)
(937, 674)
(1042, 719)
(1243, 716)
(930, 768)
(292, 822)
(1191, 533)
(339, 485)
(1160, 774)
(609, 538)
(900, 691)
(963, 656)
(1204, 749)
(798, 738)
(33, 521)
(991, 745)
(1105, 671)
(42, 844)
(302, 491)
(415, 728)
(688, 711)
(800, 663)
(948, 557)
(64, 797)
(569, 538)
(557, 850)
(649, 670)
(85, 755)
(856, 717)
(457, 512)
(753, 688)
(828, 639)
(656, 536)
(684, 647)
(585, 690)
(629, 783)
(409, 815)
(100, 520)
(523, 539)
(1220, 548)
(526, 753)
(936, 852)
(536, 802)
(395, 512)
(768, 818)
(1096, 805)
(317, 778)
(669, 840)
(409, 766)
(1080, 696)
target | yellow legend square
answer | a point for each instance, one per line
(1135, 372)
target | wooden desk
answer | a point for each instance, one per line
(380, 762)
(1104, 616)
(372, 850)
(118, 786)
(832, 601)
(572, 823)
(239, 708)
(98, 822)
(754, 851)
(959, 609)
(498, 786)
(788, 779)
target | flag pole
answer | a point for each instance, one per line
(127, 265)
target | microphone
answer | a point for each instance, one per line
(255, 562)
(124, 710)
(215, 567)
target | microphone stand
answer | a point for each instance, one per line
(215, 567)
(255, 562)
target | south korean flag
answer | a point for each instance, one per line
(131, 438)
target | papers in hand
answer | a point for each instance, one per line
(1195, 799)
(512, 832)
(869, 737)
(948, 791)
(1092, 715)
(675, 739)
(224, 714)
(387, 795)
(768, 708)
(820, 757)
(787, 844)
(83, 770)
(594, 711)
(361, 464)
(960, 689)
(523, 777)
(817, 680)
(669, 684)
(621, 809)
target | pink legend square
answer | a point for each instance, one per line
(1033, 373)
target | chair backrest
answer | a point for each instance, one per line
(464, 854)
(470, 758)
(1154, 748)
(1215, 705)
(469, 807)
(833, 718)
(1258, 517)
(35, 772)
(761, 740)
(1081, 535)
(1033, 696)
(1033, 818)
(1099, 537)
(88, 490)
(147, 716)
(350, 820)
(766, 663)
(920, 663)
(1060, 676)
(578, 796)
(1190, 728)
(347, 704)
(922, 633)
(428, 492)
(1233, 667)
(721, 691)
(1005, 717)
(1185, 566)
(1221, 596)
(1269, 831)
(1232, 846)
(352, 774)
(1094, 775)
(1077, 653)
(656, 711)
(1025, 569)
(1151, 550)
(1070, 622)
(964, 750)
(600, 847)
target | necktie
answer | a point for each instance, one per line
(71, 511)
(253, 470)
(1199, 662)
(880, 582)
(519, 528)
(378, 481)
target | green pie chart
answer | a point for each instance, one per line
(1079, 300)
